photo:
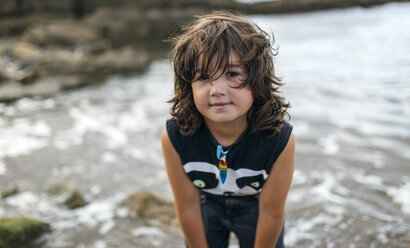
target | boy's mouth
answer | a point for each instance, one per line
(220, 105)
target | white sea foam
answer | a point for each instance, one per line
(378, 159)
(401, 196)
(96, 212)
(10, 111)
(296, 195)
(329, 144)
(137, 153)
(24, 201)
(367, 179)
(91, 120)
(324, 189)
(122, 212)
(99, 244)
(109, 157)
(27, 104)
(337, 210)
(2, 107)
(383, 238)
(3, 168)
(95, 190)
(22, 137)
(300, 127)
(148, 231)
(116, 138)
(299, 177)
(106, 227)
(304, 228)
(33, 204)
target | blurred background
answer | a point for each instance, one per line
(83, 91)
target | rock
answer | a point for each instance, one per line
(8, 7)
(80, 62)
(9, 192)
(138, 28)
(21, 232)
(19, 70)
(26, 76)
(152, 209)
(2, 76)
(45, 86)
(122, 61)
(66, 33)
(66, 194)
(25, 50)
(58, 69)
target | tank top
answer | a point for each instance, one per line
(249, 159)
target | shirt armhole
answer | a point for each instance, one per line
(173, 132)
(282, 139)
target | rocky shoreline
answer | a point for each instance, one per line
(47, 46)
(152, 210)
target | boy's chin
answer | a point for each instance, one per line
(224, 119)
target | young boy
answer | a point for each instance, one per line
(229, 153)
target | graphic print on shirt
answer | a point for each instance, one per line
(205, 176)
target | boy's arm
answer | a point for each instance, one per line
(186, 196)
(273, 197)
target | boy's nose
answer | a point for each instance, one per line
(218, 86)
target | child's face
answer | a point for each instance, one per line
(217, 99)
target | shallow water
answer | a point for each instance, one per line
(347, 76)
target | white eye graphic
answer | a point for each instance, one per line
(255, 184)
(199, 183)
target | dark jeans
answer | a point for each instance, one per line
(225, 214)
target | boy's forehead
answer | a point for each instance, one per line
(233, 62)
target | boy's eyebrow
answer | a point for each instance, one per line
(235, 65)
(238, 65)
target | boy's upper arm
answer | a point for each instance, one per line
(275, 190)
(184, 191)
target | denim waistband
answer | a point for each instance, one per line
(220, 197)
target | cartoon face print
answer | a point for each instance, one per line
(203, 179)
(205, 176)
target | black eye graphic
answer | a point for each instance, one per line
(255, 182)
(203, 180)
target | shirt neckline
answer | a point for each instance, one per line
(215, 142)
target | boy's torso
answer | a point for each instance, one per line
(249, 161)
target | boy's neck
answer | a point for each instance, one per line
(226, 133)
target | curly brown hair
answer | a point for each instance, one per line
(220, 33)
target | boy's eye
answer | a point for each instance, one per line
(232, 74)
(203, 77)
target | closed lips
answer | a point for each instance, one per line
(220, 104)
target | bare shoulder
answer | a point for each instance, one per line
(185, 193)
(167, 147)
(170, 154)
(164, 136)
(289, 148)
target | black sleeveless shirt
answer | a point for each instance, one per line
(249, 160)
